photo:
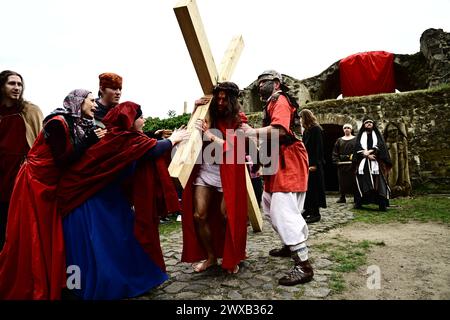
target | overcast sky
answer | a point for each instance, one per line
(60, 45)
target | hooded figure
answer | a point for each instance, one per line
(372, 162)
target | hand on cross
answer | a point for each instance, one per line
(201, 125)
(202, 101)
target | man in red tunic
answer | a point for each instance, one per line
(285, 189)
(20, 123)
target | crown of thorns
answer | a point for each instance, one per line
(228, 87)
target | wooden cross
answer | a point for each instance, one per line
(187, 153)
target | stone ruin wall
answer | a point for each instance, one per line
(427, 68)
(424, 114)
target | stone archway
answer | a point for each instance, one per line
(332, 130)
(337, 119)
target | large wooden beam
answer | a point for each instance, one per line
(183, 162)
(254, 214)
(231, 58)
(195, 37)
(187, 153)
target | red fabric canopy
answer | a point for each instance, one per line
(367, 73)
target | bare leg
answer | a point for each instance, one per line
(202, 199)
(223, 208)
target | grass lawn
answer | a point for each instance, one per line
(348, 256)
(169, 226)
(421, 208)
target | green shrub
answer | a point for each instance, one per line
(152, 124)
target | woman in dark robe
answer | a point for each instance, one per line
(312, 138)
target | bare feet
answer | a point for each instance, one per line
(236, 270)
(204, 265)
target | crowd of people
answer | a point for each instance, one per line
(82, 190)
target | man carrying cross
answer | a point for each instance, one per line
(214, 200)
(194, 35)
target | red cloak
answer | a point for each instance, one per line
(229, 242)
(13, 149)
(32, 262)
(152, 187)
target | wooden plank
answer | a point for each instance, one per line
(227, 67)
(188, 152)
(254, 214)
(196, 41)
(183, 161)
(231, 58)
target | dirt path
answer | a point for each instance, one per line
(414, 263)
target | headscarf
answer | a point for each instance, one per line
(71, 111)
(347, 125)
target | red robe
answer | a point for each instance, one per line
(32, 262)
(152, 187)
(13, 149)
(153, 195)
(228, 242)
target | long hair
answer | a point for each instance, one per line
(309, 120)
(231, 114)
(4, 75)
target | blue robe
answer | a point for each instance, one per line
(100, 241)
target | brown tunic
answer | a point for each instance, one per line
(342, 152)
